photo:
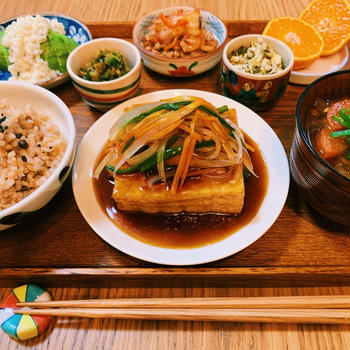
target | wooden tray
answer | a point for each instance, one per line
(57, 247)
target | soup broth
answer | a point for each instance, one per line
(320, 127)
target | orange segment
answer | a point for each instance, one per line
(332, 19)
(303, 39)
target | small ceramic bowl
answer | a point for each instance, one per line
(257, 91)
(324, 188)
(181, 67)
(75, 30)
(104, 95)
(44, 102)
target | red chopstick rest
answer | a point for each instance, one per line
(19, 326)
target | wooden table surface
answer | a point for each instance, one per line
(113, 334)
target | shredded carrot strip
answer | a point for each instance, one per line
(190, 150)
(148, 125)
(180, 166)
(249, 147)
(232, 115)
(218, 131)
(208, 117)
(194, 120)
(188, 130)
(188, 160)
(167, 130)
(188, 109)
(152, 117)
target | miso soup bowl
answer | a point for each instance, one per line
(103, 95)
(324, 188)
(256, 91)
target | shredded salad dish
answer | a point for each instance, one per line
(175, 139)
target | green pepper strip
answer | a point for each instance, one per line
(345, 114)
(340, 133)
(128, 144)
(169, 106)
(222, 109)
(222, 121)
(171, 141)
(152, 161)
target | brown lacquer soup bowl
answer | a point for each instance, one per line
(323, 177)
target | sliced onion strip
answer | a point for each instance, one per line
(160, 161)
(248, 162)
(139, 158)
(105, 160)
(129, 115)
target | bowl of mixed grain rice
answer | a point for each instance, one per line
(37, 146)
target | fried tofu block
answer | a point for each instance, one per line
(131, 193)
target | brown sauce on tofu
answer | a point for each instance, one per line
(186, 230)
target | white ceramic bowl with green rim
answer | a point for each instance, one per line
(181, 67)
(104, 95)
(44, 102)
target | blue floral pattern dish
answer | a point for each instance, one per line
(74, 30)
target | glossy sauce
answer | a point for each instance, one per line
(185, 230)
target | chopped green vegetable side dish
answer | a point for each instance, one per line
(106, 65)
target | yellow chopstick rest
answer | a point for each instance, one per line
(24, 327)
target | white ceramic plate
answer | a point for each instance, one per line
(322, 66)
(254, 126)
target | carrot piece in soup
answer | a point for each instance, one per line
(330, 147)
(334, 110)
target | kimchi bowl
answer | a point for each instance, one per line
(180, 41)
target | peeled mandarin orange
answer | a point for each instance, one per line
(303, 39)
(332, 20)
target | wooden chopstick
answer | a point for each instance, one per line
(319, 316)
(283, 302)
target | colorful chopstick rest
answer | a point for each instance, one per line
(23, 326)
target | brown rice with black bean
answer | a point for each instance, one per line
(31, 147)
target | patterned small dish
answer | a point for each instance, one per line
(42, 100)
(256, 91)
(103, 95)
(74, 30)
(181, 67)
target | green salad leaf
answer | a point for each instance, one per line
(55, 50)
(4, 54)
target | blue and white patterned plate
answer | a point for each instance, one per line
(74, 30)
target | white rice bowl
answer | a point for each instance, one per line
(23, 38)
